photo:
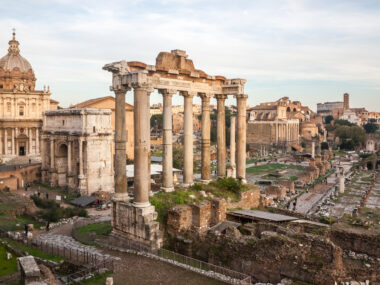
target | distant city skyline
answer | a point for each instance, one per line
(309, 51)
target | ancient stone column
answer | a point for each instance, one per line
(1, 141)
(120, 151)
(205, 171)
(37, 141)
(13, 141)
(325, 135)
(341, 180)
(52, 158)
(30, 140)
(233, 146)
(5, 141)
(167, 141)
(313, 149)
(69, 157)
(80, 157)
(142, 146)
(221, 135)
(241, 136)
(188, 140)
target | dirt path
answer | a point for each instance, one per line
(134, 269)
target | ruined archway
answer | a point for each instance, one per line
(61, 161)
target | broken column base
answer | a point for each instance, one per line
(135, 227)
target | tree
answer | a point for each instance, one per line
(370, 128)
(343, 123)
(328, 119)
(351, 137)
(177, 156)
(156, 122)
(324, 145)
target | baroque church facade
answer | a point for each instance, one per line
(21, 106)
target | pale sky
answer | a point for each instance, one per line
(312, 51)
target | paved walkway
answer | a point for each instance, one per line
(306, 201)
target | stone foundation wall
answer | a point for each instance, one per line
(357, 240)
(276, 191)
(288, 184)
(200, 217)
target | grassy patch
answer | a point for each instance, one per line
(7, 266)
(260, 169)
(53, 212)
(103, 228)
(10, 223)
(33, 251)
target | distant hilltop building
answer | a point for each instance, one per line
(21, 106)
(342, 110)
(280, 124)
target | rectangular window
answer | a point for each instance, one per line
(21, 111)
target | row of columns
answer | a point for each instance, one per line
(205, 140)
(14, 147)
(142, 141)
(286, 132)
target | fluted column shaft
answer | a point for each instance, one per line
(241, 136)
(142, 145)
(167, 141)
(120, 151)
(205, 159)
(233, 146)
(221, 135)
(188, 140)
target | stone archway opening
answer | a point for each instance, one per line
(61, 162)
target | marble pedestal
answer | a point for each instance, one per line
(135, 227)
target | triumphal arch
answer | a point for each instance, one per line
(173, 73)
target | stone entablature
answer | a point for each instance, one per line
(76, 149)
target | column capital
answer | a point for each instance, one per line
(167, 92)
(220, 96)
(121, 90)
(148, 87)
(205, 96)
(187, 94)
(241, 96)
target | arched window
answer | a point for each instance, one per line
(21, 111)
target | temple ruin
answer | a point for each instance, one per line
(173, 73)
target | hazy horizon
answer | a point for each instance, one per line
(309, 51)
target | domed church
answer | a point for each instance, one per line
(21, 106)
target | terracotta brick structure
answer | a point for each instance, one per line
(13, 177)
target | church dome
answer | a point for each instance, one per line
(15, 69)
